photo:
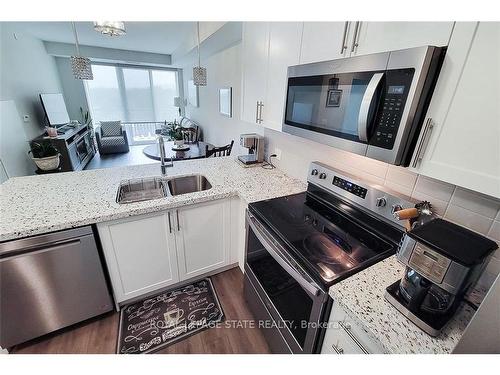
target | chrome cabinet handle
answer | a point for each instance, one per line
(337, 348)
(257, 113)
(356, 36)
(169, 223)
(178, 225)
(429, 125)
(347, 329)
(261, 105)
(343, 47)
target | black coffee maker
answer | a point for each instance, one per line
(442, 261)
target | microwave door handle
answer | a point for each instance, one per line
(274, 252)
(366, 106)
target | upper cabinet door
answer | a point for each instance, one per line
(284, 50)
(373, 37)
(255, 63)
(324, 41)
(462, 147)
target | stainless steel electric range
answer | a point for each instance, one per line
(299, 245)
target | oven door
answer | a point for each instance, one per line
(293, 299)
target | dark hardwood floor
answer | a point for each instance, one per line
(134, 157)
(99, 335)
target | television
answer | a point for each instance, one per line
(55, 109)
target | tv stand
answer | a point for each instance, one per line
(75, 146)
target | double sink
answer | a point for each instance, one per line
(144, 189)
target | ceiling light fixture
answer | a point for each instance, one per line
(80, 65)
(199, 73)
(110, 28)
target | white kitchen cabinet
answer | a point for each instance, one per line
(202, 237)
(284, 50)
(140, 254)
(150, 252)
(268, 50)
(344, 336)
(462, 142)
(255, 56)
(373, 37)
(324, 41)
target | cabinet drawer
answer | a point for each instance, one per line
(343, 335)
(338, 341)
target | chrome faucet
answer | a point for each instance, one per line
(164, 166)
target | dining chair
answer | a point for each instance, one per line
(190, 135)
(219, 151)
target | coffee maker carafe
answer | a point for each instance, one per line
(442, 261)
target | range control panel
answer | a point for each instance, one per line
(350, 187)
(356, 190)
(390, 112)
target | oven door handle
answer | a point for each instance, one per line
(264, 237)
(365, 110)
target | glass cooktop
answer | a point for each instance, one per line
(332, 242)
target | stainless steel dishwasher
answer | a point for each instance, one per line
(48, 282)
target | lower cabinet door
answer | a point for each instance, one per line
(202, 237)
(140, 254)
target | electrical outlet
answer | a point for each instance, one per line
(277, 151)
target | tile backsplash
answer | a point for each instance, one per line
(475, 211)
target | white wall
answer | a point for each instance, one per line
(26, 71)
(223, 70)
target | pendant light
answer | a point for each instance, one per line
(199, 73)
(110, 28)
(79, 64)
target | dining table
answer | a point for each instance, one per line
(196, 151)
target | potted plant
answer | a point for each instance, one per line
(45, 155)
(175, 134)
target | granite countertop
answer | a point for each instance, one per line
(362, 296)
(39, 204)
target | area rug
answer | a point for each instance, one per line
(169, 317)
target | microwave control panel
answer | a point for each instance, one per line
(392, 103)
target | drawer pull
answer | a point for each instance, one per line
(337, 348)
(347, 329)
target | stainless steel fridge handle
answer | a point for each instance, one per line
(257, 113)
(366, 104)
(273, 250)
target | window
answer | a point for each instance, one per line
(142, 98)
(104, 94)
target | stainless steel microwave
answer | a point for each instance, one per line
(372, 105)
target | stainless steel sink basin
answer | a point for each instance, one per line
(188, 184)
(141, 189)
